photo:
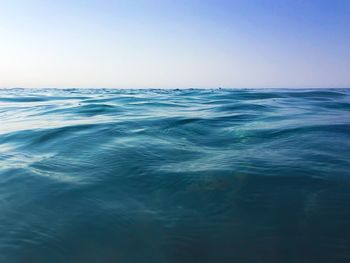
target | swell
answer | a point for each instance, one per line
(176, 175)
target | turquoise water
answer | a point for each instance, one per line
(174, 176)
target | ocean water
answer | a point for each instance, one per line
(168, 176)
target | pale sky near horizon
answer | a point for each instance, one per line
(174, 44)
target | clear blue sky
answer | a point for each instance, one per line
(179, 43)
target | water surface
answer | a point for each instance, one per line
(174, 176)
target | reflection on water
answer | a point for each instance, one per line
(174, 176)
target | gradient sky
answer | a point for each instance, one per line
(179, 43)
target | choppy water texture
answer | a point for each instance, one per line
(174, 176)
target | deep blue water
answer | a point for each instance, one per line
(168, 176)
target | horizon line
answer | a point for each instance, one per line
(175, 88)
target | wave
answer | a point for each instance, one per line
(190, 175)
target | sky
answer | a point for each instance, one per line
(175, 43)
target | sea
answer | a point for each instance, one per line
(174, 176)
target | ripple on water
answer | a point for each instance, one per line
(175, 175)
